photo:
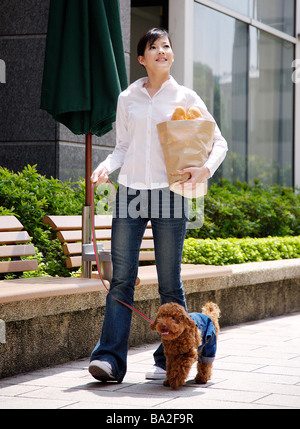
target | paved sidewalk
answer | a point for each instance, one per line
(257, 366)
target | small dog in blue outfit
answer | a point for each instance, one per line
(188, 338)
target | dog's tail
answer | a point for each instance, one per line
(213, 311)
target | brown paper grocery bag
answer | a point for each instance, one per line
(186, 144)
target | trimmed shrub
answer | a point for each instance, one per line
(30, 196)
(243, 210)
(238, 251)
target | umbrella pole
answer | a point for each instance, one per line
(88, 168)
(87, 210)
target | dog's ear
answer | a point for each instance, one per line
(188, 321)
(153, 325)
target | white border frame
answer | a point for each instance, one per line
(297, 103)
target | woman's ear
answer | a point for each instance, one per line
(141, 60)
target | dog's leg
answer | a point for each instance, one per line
(204, 372)
(176, 379)
(168, 369)
(178, 371)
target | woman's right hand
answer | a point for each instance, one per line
(100, 175)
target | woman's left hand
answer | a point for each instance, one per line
(198, 174)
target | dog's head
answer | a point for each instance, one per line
(171, 321)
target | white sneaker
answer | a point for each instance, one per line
(156, 373)
(101, 370)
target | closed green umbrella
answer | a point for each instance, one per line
(84, 69)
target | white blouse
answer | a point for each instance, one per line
(138, 151)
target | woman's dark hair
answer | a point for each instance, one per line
(150, 37)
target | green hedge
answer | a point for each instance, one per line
(238, 251)
(231, 210)
(30, 196)
(242, 210)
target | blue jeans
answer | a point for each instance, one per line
(167, 212)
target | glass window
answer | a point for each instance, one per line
(279, 14)
(270, 150)
(244, 75)
(220, 78)
(241, 6)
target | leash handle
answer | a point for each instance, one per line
(97, 258)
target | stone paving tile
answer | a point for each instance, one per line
(27, 403)
(287, 401)
(252, 386)
(280, 370)
(103, 397)
(257, 367)
(16, 389)
(257, 377)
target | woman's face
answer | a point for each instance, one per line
(158, 56)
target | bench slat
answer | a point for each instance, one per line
(69, 223)
(76, 248)
(73, 236)
(76, 261)
(58, 223)
(101, 234)
(14, 237)
(17, 250)
(18, 266)
(147, 255)
(10, 223)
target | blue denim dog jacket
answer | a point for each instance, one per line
(208, 348)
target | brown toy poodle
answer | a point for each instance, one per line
(187, 338)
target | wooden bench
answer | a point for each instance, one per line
(69, 232)
(15, 245)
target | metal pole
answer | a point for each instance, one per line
(88, 168)
(87, 211)
(86, 239)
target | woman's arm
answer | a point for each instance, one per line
(116, 159)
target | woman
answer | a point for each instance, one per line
(144, 195)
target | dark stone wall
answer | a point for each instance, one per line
(29, 135)
(26, 132)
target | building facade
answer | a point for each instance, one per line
(241, 56)
(244, 65)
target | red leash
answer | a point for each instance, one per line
(97, 258)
